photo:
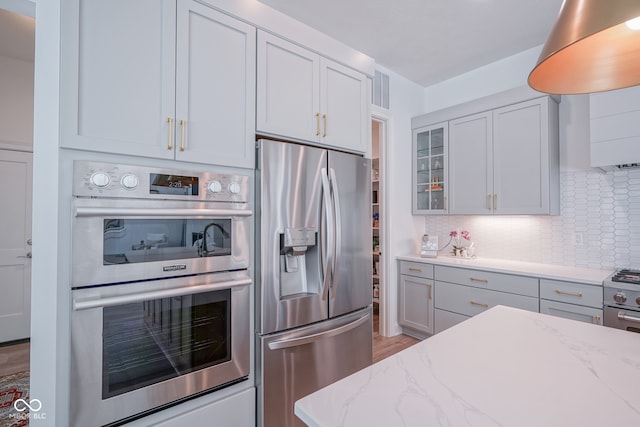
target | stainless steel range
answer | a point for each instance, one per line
(622, 300)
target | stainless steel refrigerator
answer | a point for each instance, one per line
(313, 271)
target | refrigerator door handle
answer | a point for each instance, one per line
(296, 342)
(330, 244)
(335, 193)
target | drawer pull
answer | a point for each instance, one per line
(571, 294)
(419, 270)
(597, 319)
(475, 279)
(480, 304)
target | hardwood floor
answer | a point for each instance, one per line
(384, 347)
(14, 358)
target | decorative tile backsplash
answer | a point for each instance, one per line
(598, 226)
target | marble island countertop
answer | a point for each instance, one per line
(545, 271)
(504, 367)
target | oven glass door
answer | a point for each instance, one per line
(137, 347)
(147, 342)
(124, 240)
(128, 241)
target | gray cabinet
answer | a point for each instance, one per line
(304, 96)
(571, 300)
(415, 299)
(505, 161)
(176, 80)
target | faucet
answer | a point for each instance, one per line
(203, 247)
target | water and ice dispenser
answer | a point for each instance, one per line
(298, 261)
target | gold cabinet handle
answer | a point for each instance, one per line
(170, 145)
(324, 118)
(317, 124)
(419, 270)
(475, 279)
(489, 201)
(429, 291)
(445, 202)
(597, 319)
(572, 294)
(182, 126)
(480, 304)
(495, 202)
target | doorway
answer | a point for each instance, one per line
(378, 139)
(17, 51)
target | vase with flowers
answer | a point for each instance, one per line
(458, 237)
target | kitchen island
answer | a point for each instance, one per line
(504, 367)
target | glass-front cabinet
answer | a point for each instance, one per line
(430, 146)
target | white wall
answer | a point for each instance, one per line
(16, 104)
(601, 210)
(400, 228)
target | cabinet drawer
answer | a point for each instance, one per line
(571, 292)
(486, 280)
(470, 301)
(570, 311)
(416, 269)
(446, 319)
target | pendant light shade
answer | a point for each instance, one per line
(591, 48)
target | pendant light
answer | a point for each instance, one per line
(594, 46)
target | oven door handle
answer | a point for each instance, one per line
(623, 316)
(166, 293)
(160, 212)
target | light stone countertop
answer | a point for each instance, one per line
(504, 367)
(544, 271)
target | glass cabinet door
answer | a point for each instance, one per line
(430, 169)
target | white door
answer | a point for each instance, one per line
(471, 165)
(344, 104)
(15, 244)
(288, 89)
(521, 158)
(215, 87)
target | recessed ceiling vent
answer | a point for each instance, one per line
(380, 89)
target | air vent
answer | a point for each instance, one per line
(380, 95)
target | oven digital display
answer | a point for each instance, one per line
(173, 184)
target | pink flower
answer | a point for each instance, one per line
(453, 234)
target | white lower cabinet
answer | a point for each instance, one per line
(416, 296)
(571, 311)
(469, 301)
(577, 301)
(237, 410)
(445, 319)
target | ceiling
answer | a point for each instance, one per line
(17, 36)
(428, 41)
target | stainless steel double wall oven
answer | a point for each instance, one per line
(160, 288)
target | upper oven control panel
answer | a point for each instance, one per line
(96, 179)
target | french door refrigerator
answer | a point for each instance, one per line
(314, 273)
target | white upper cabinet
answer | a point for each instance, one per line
(164, 79)
(615, 134)
(306, 97)
(505, 161)
(471, 164)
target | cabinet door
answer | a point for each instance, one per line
(416, 304)
(521, 158)
(118, 75)
(430, 163)
(570, 311)
(471, 164)
(215, 87)
(288, 89)
(344, 107)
